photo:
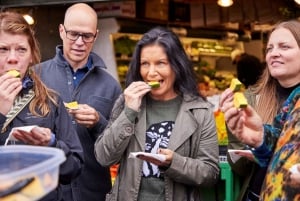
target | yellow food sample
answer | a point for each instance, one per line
(32, 191)
(72, 105)
(154, 84)
(14, 73)
(235, 85)
(239, 100)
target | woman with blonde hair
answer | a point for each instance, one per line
(276, 145)
(26, 101)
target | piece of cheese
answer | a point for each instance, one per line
(72, 105)
(239, 100)
(14, 73)
(154, 84)
(235, 85)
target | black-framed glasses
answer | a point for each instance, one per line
(74, 35)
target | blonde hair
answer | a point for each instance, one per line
(266, 87)
(14, 23)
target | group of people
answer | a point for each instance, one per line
(173, 119)
(39, 95)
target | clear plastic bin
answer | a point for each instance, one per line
(28, 173)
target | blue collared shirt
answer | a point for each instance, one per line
(80, 73)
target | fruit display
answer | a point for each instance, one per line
(122, 71)
(124, 45)
(213, 82)
(205, 46)
(221, 128)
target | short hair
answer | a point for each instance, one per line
(185, 80)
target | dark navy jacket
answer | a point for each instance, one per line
(59, 122)
(99, 90)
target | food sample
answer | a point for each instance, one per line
(72, 105)
(14, 73)
(32, 190)
(154, 84)
(239, 100)
(235, 85)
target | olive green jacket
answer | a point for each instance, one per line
(193, 140)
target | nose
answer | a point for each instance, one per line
(152, 70)
(12, 56)
(79, 40)
(275, 52)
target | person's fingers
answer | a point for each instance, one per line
(226, 96)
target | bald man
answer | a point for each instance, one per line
(78, 74)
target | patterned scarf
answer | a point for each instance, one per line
(19, 104)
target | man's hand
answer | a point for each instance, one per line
(85, 115)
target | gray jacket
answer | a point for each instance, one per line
(193, 140)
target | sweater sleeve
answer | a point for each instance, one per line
(272, 132)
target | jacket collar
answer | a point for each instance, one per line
(185, 123)
(60, 59)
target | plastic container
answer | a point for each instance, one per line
(28, 173)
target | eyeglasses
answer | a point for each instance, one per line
(74, 35)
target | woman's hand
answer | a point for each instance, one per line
(9, 89)
(168, 154)
(295, 176)
(37, 136)
(134, 93)
(169, 157)
(244, 123)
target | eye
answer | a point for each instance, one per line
(3, 50)
(88, 35)
(285, 47)
(144, 64)
(162, 63)
(268, 49)
(21, 50)
(73, 33)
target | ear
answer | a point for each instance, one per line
(97, 33)
(61, 31)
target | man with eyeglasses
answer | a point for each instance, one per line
(78, 74)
